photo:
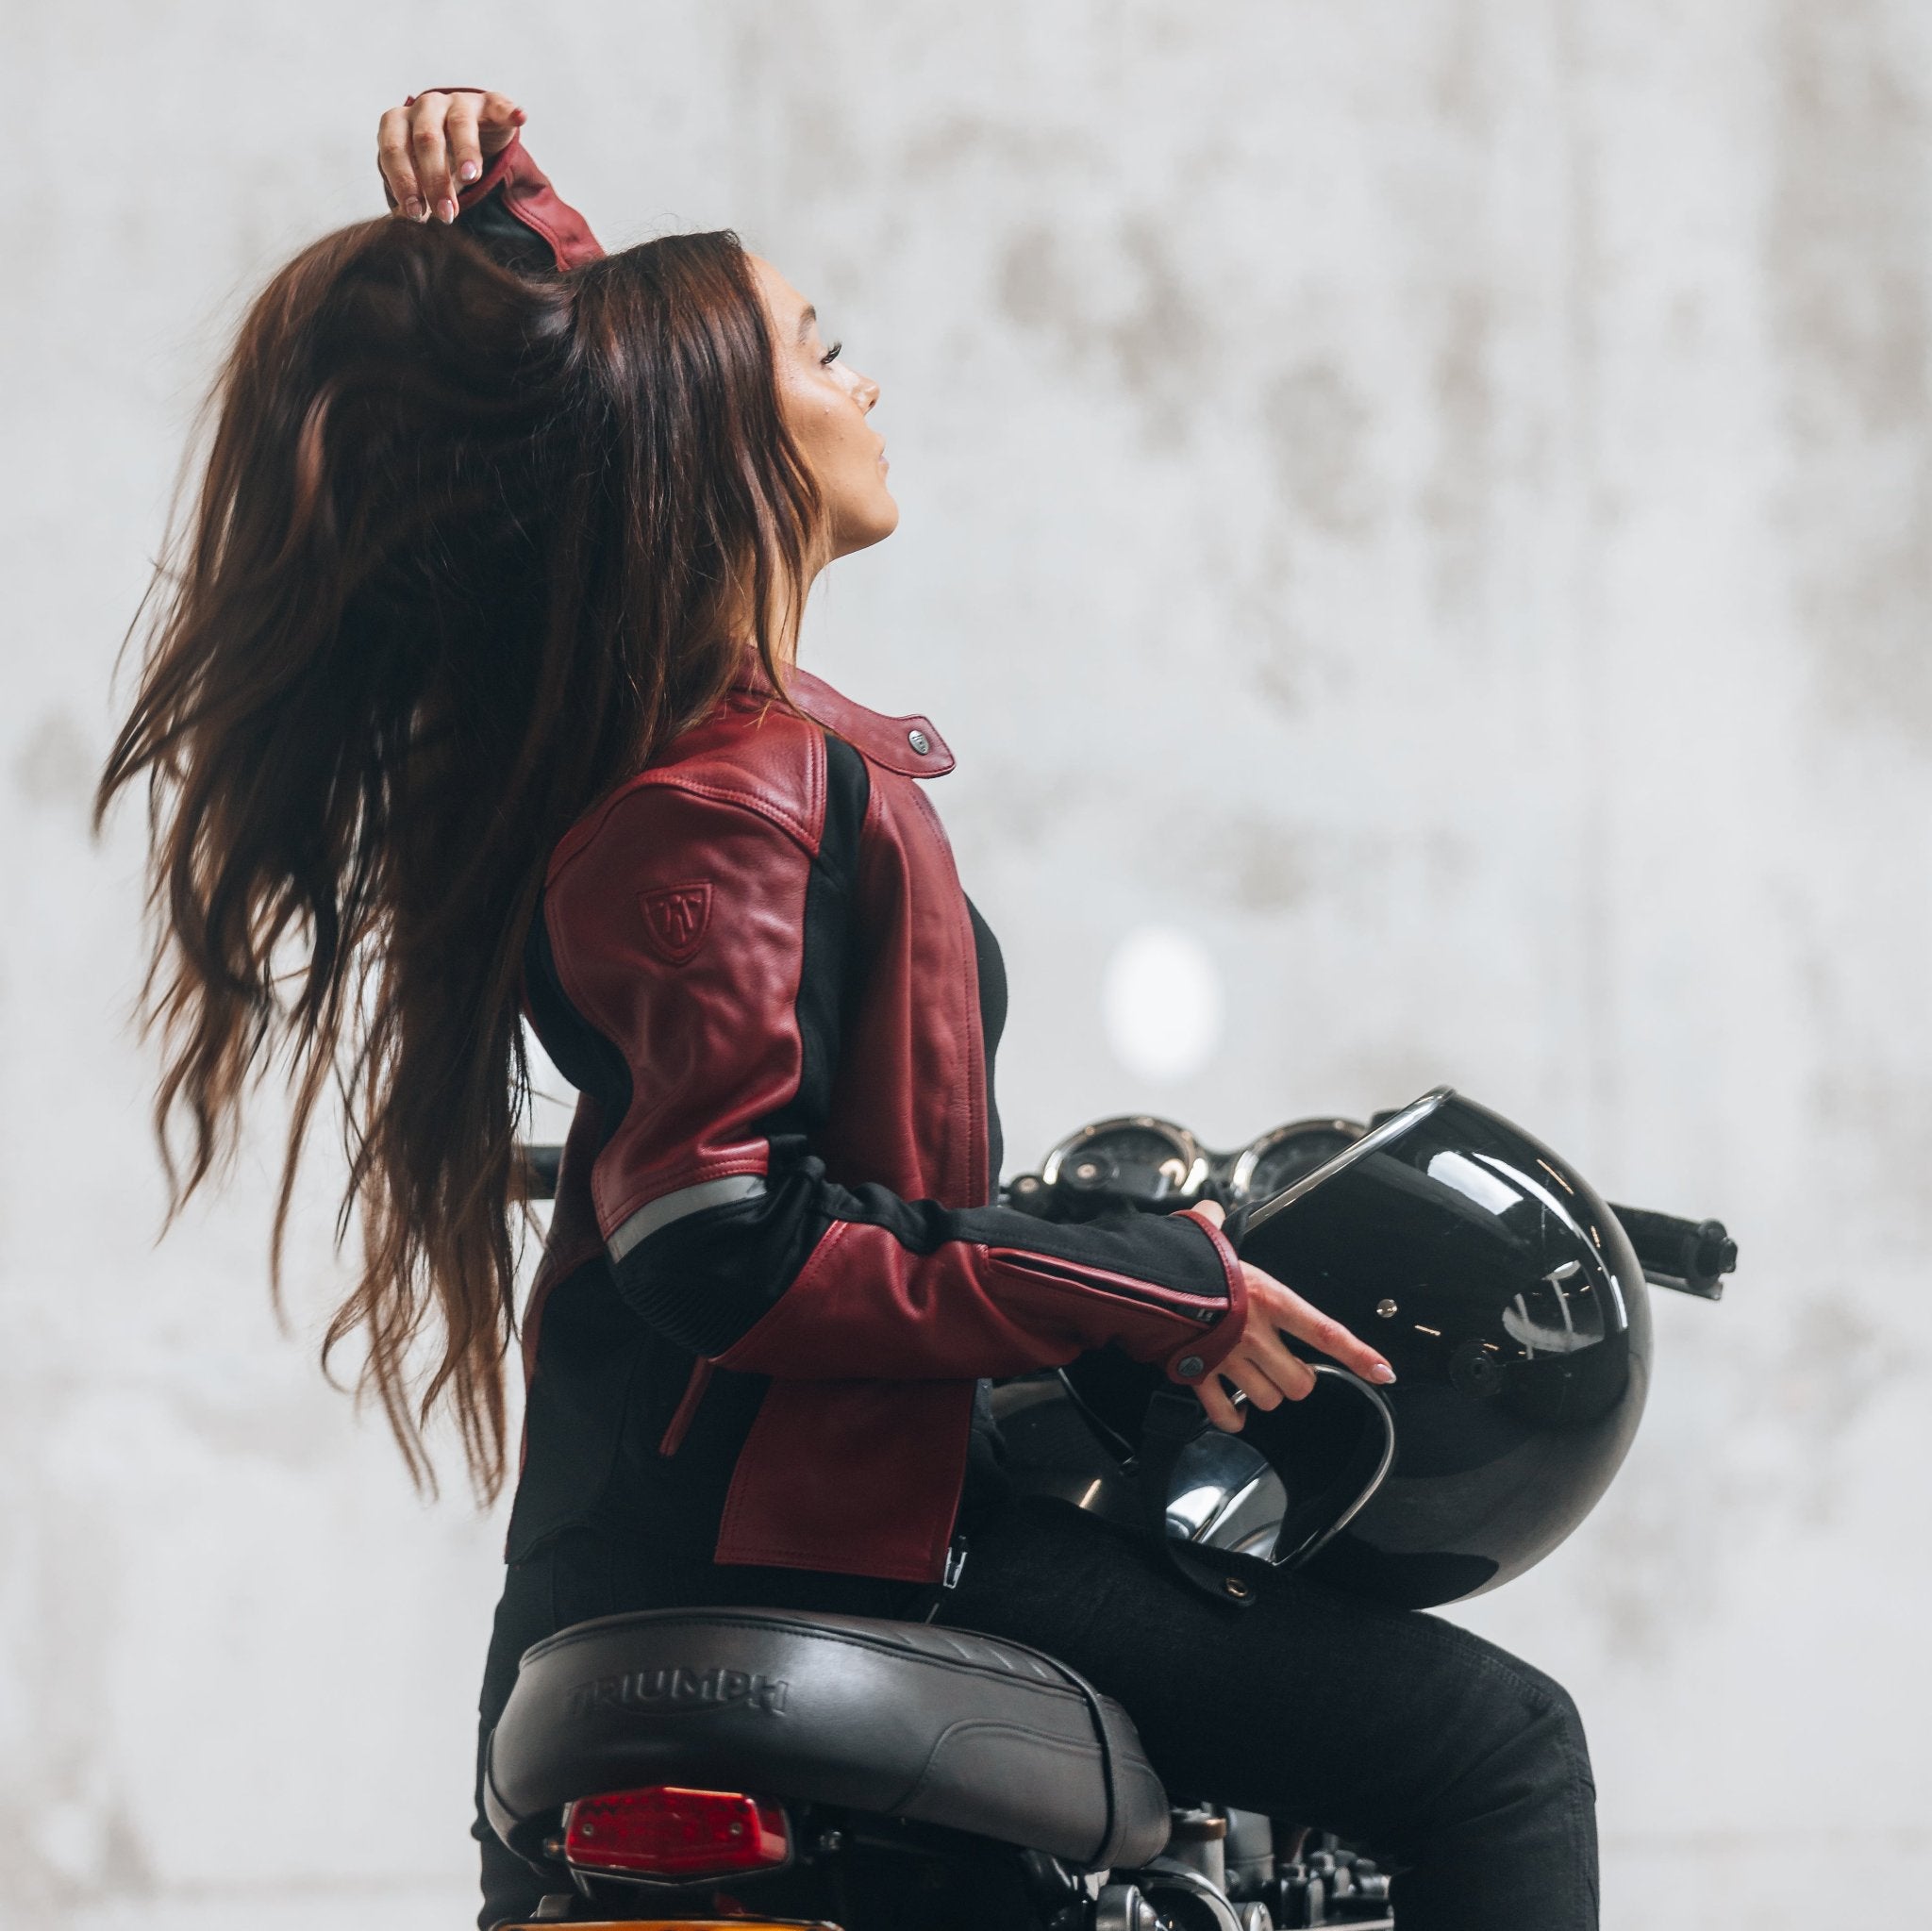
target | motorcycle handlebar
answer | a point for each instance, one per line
(1691, 1257)
(540, 1164)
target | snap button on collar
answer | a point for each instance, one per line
(918, 741)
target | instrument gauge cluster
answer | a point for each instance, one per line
(1142, 1161)
(1263, 1167)
(1134, 1158)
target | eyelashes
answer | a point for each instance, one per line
(832, 355)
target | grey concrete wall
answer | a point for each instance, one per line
(1429, 501)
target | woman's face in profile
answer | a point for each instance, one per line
(826, 406)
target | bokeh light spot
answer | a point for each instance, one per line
(1160, 1002)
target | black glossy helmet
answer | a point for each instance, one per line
(1512, 1303)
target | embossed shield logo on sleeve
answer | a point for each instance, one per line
(676, 919)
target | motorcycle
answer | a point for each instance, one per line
(741, 1767)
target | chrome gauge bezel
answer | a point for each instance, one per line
(1241, 1177)
(1186, 1149)
(1391, 1128)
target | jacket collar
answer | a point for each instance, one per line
(890, 741)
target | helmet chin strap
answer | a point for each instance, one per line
(1172, 1422)
(1175, 1420)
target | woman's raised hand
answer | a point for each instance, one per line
(1260, 1364)
(432, 149)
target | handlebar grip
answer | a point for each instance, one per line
(540, 1166)
(1693, 1257)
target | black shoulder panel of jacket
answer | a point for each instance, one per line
(826, 978)
(706, 1277)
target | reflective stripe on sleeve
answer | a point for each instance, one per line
(674, 1207)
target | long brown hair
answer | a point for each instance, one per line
(468, 549)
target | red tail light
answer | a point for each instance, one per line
(681, 1837)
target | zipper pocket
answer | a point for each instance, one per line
(1104, 1285)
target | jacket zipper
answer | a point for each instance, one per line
(1115, 1287)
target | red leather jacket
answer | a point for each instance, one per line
(757, 963)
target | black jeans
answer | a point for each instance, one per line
(1435, 1750)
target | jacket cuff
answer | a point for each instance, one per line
(1203, 1352)
(493, 176)
(529, 198)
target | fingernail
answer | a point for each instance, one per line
(1382, 1372)
(447, 210)
(468, 171)
(413, 207)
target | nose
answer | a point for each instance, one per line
(867, 393)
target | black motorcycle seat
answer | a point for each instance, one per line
(898, 1719)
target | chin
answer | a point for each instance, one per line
(865, 524)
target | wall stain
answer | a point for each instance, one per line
(1032, 283)
(1778, 1445)
(950, 142)
(1262, 868)
(295, 1433)
(1651, 1583)
(1119, 307)
(1156, 341)
(1316, 424)
(1872, 1124)
(1837, 1364)
(1458, 88)
(1456, 500)
(1867, 1094)
(55, 766)
(1281, 668)
(1015, 808)
(1851, 311)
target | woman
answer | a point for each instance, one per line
(470, 697)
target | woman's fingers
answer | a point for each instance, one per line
(1220, 1410)
(1289, 1312)
(462, 139)
(397, 161)
(432, 149)
(1261, 1365)
(431, 154)
(1266, 1371)
(498, 118)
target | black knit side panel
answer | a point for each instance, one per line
(585, 1058)
(706, 1278)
